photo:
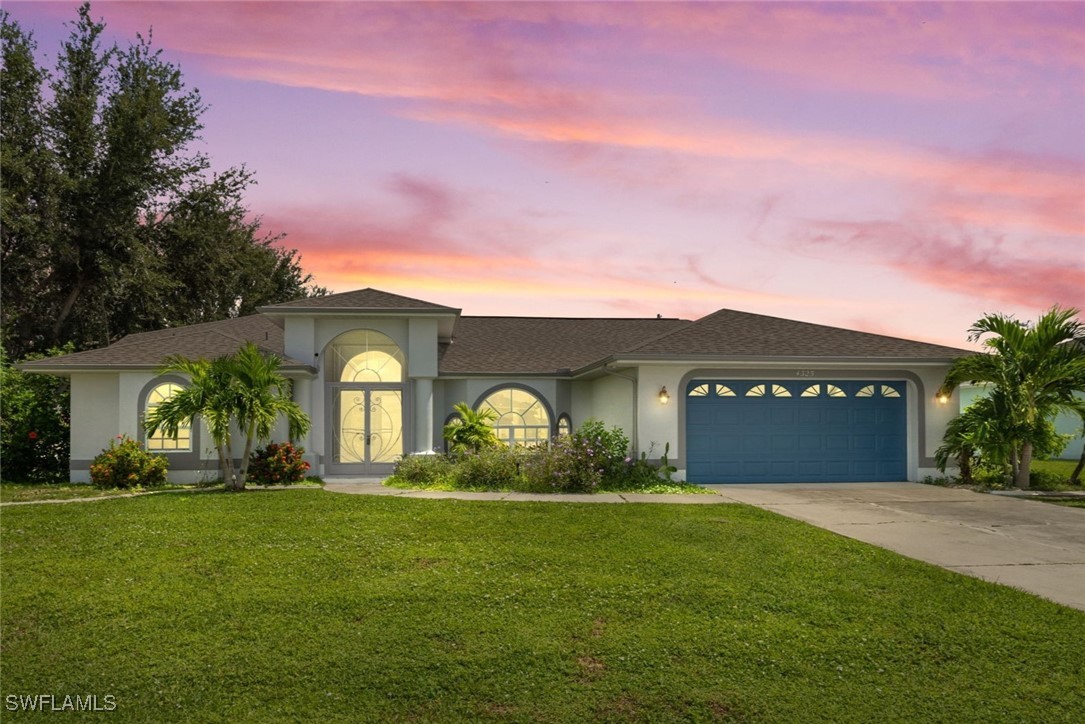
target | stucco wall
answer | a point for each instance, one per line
(94, 417)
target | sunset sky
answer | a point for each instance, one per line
(894, 168)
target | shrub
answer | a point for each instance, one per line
(470, 430)
(496, 468)
(1048, 480)
(127, 465)
(277, 464)
(589, 459)
(423, 469)
(34, 423)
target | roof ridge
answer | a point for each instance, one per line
(825, 326)
(576, 319)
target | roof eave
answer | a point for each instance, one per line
(66, 370)
(782, 359)
(274, 311)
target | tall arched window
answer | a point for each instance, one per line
(160, 442)
(522, 417)
(364, 356)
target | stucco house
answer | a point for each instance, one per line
(738, 397)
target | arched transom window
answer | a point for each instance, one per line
(522, 418)
(364, 356)
(159, 441)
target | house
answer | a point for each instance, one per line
(737, 397)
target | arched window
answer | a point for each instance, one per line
(160, 442)
(565, 425)
(522, 418)
(364, 356)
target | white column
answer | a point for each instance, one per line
(303, 395)
(423, 414)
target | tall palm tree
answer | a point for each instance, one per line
(243, 390)
(262, 397)
(1034, 369)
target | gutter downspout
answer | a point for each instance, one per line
(634, 433)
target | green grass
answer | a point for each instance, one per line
(25, 492)
(307, 605)
(22, 492)
(1065, 502)
(1058, 467)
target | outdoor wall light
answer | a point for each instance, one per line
(942, 398)
(664, 396)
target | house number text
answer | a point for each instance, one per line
(804, 373)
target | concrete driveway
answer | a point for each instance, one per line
(1027, 544)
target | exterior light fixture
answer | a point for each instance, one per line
(664, 396)
(942, 398)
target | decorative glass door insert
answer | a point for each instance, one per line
(369, 426)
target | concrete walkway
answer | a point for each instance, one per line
(1027, 544)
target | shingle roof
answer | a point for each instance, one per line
(728, 333)
(150, 349)
(358, 300)
(525, 345)
(541, 345)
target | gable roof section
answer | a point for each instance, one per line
(369, 300)
(150, 349)
(543, 345)
(728, 333)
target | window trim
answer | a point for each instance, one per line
(179, 459)
(551, 419)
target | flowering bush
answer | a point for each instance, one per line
(126, 464)
(494, 468)
(591, 458)
(277, 464)
(423, 469)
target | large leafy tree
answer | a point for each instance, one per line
(112, 222)
(34, 423)
(244, 391)
(1033, 371)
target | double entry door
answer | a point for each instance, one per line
(366, 429)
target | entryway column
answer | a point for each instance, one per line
(423, 414)
(303, 396)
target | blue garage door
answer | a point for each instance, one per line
(742, 431)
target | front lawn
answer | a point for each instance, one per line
(22, 492)
(307, 605)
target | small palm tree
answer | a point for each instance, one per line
(244, 389)
(471, 430)
(1034, 369)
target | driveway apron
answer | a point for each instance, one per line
(1030, 545)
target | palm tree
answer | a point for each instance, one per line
(470, 429)
(1034, 370)
(244, 389)
(262, 397)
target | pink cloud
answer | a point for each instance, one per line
(957, 262)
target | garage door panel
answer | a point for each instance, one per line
(839, 416)
(795, 439)
(784, 443)
(754, 445)
(864, 442)
(835, 442)
(754, 414)
(783, 416)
